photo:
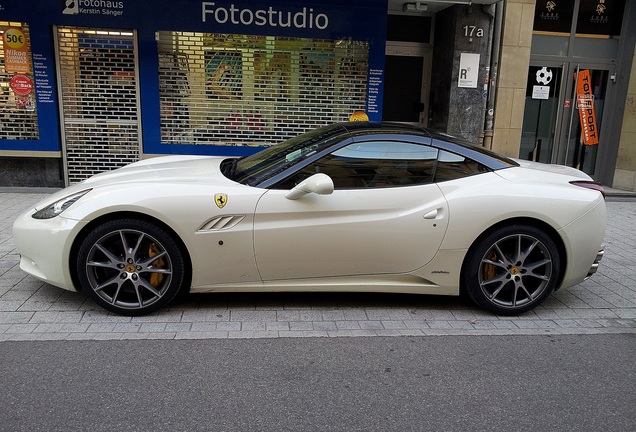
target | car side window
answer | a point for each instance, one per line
(451, 166)
(372, 164)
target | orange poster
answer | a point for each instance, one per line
(16, 51)
(585, 104)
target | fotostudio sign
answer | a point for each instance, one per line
(302, 18)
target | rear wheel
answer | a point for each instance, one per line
(512, 269)
(130, 267)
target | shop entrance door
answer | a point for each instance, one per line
(98, 83)
(406, 78)
(566, 104)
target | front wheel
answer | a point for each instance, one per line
(512, 269)
(130, 267)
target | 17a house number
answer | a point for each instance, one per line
(473, 31)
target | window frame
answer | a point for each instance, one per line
(487, 160)
(382, 164)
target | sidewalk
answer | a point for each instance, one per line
(33, 310)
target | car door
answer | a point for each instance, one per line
(385, 215)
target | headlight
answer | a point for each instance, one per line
(59, 206)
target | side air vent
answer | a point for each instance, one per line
(221, 223)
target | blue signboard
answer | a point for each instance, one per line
(360, 20)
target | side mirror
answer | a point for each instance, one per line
(320, 184)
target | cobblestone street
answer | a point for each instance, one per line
(33, 310)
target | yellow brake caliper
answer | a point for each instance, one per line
(489, 269)
(155, 278)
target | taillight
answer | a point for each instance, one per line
(590, 185)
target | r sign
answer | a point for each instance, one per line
(468, 70)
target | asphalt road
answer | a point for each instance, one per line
(450, 383)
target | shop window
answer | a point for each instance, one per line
(218, 89)
(600, 18)
(18, 113)
(595, 18)
(553, 17)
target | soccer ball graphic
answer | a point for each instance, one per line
(544, 76)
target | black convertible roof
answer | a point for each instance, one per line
(442, 140)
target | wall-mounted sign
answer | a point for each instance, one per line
(302, 18)
(468, 70)
(600, 17)
(16, 51)
(113, 8)
(553, 16)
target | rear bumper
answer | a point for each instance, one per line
(596, 263)
(584, 244)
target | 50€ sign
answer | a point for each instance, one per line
(16, 58)
(14, 38)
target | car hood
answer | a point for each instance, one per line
(557, 169)
(165, 168)
(161, 171)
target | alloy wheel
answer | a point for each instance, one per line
(515, 271)
(129, 269)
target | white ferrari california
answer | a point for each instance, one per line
(347, 207)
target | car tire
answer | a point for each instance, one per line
(130, 267)
(511, 269)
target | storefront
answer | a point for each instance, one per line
(91, 85)
(573, 105)
(97, 84)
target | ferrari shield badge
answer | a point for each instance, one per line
(220, 200)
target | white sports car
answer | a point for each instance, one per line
(347, 207)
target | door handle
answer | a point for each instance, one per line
(435, 214)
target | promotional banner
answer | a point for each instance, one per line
(585, 105)
(16, 51)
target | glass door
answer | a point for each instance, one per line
(542, 111)
(583, 111)
(564, 110)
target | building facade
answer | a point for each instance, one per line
(566, 86)
(91, 85)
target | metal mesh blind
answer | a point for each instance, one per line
(18, 113)
(254, 90)
(99, 98)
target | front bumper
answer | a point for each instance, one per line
(44, 247)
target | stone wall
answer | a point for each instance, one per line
(513, 74)
(31, 172)
(459, 29)
(625, 173)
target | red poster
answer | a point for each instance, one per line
(21, 85)
(585, 105)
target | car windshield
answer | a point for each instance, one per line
(254, 169)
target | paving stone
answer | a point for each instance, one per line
(33, 310)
